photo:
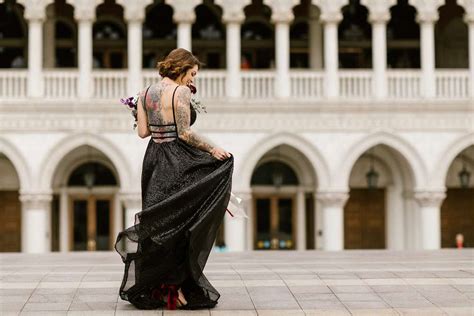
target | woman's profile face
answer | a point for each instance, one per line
(188, 77)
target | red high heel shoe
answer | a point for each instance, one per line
(168, 293)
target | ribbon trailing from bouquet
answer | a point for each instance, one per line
(235, 207)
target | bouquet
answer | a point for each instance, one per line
(131, 103)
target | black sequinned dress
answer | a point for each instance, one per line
(185, 193)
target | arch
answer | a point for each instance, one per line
(440, 171)
(19, 162)
(407, 151)
(255, 153)
(69, 143)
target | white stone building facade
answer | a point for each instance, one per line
(304, 131)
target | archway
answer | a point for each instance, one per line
(85, 211)
(457, 210)
(14, 35)
(10, 207)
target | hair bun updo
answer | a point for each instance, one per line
(176, 63)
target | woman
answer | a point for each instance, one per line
(186, 187)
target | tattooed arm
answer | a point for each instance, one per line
(183, 114)
(142, 119)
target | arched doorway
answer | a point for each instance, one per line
(379, 213)
(10, 207)
(457, 210)
(283, 212)
(86, 214)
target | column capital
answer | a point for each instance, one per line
(427, 10)
(429, 198)
(282, 10)
(233, 10)
(469, 8)
(35, 10)
(134, 10)
(36, 200)
(332, 198)
(330, 10)
(183, 10)
(132, 200)
(84, 10)
(379, 11)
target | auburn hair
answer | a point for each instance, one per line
(177, 63)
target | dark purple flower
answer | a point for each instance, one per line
(192, 88)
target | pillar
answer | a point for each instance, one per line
(470, 22)
(427, 22)
(429, 214)
(49, 42)
(134, 55)
(315, 30)
(64, 221)
(300, 220)
(282, 53)
(233, 52)
(333, 218)
(331, 53)
(35, 53)
(36, 222)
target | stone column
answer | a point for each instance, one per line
(134, 15)
(233, 18)
(84, 13)
(49, 40)
(184, 16)
(35, 12)
(35, 222)
(469, 18)
(133, 205)
(235, 232)
(331, 52)
(379, 16)
(315, 30)
(64, 221)
(301, 220)
(429, 211)
(282, 54)
(333, 218)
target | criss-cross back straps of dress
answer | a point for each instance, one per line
(174, 132)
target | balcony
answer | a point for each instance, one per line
(305, 85)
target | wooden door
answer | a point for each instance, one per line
(364, 219)
(457, 217)
(91, 219)
(10, 223)
(274, 222)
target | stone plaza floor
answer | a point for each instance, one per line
(254, 283)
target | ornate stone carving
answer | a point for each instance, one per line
(330, 10)
(183, 10)
(84, 10)
(35, 9)
(134, 10)
(379, 11)
(429, 198)
(233, 10)
(332, 198)
(427, 10)
(36, 200)
(282, 10)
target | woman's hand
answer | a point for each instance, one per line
(219, 153)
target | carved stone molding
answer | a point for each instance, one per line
(379, 11)
(134, 10)
(282, 10)
(37, 201)
(183, 10)
(84, 10)
(35, 10)
(429, 198)
(427, 10)
(332, 198)
(330, 10)
(233, 10)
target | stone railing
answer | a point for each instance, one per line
(256, 84)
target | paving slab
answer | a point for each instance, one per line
(253, 283)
